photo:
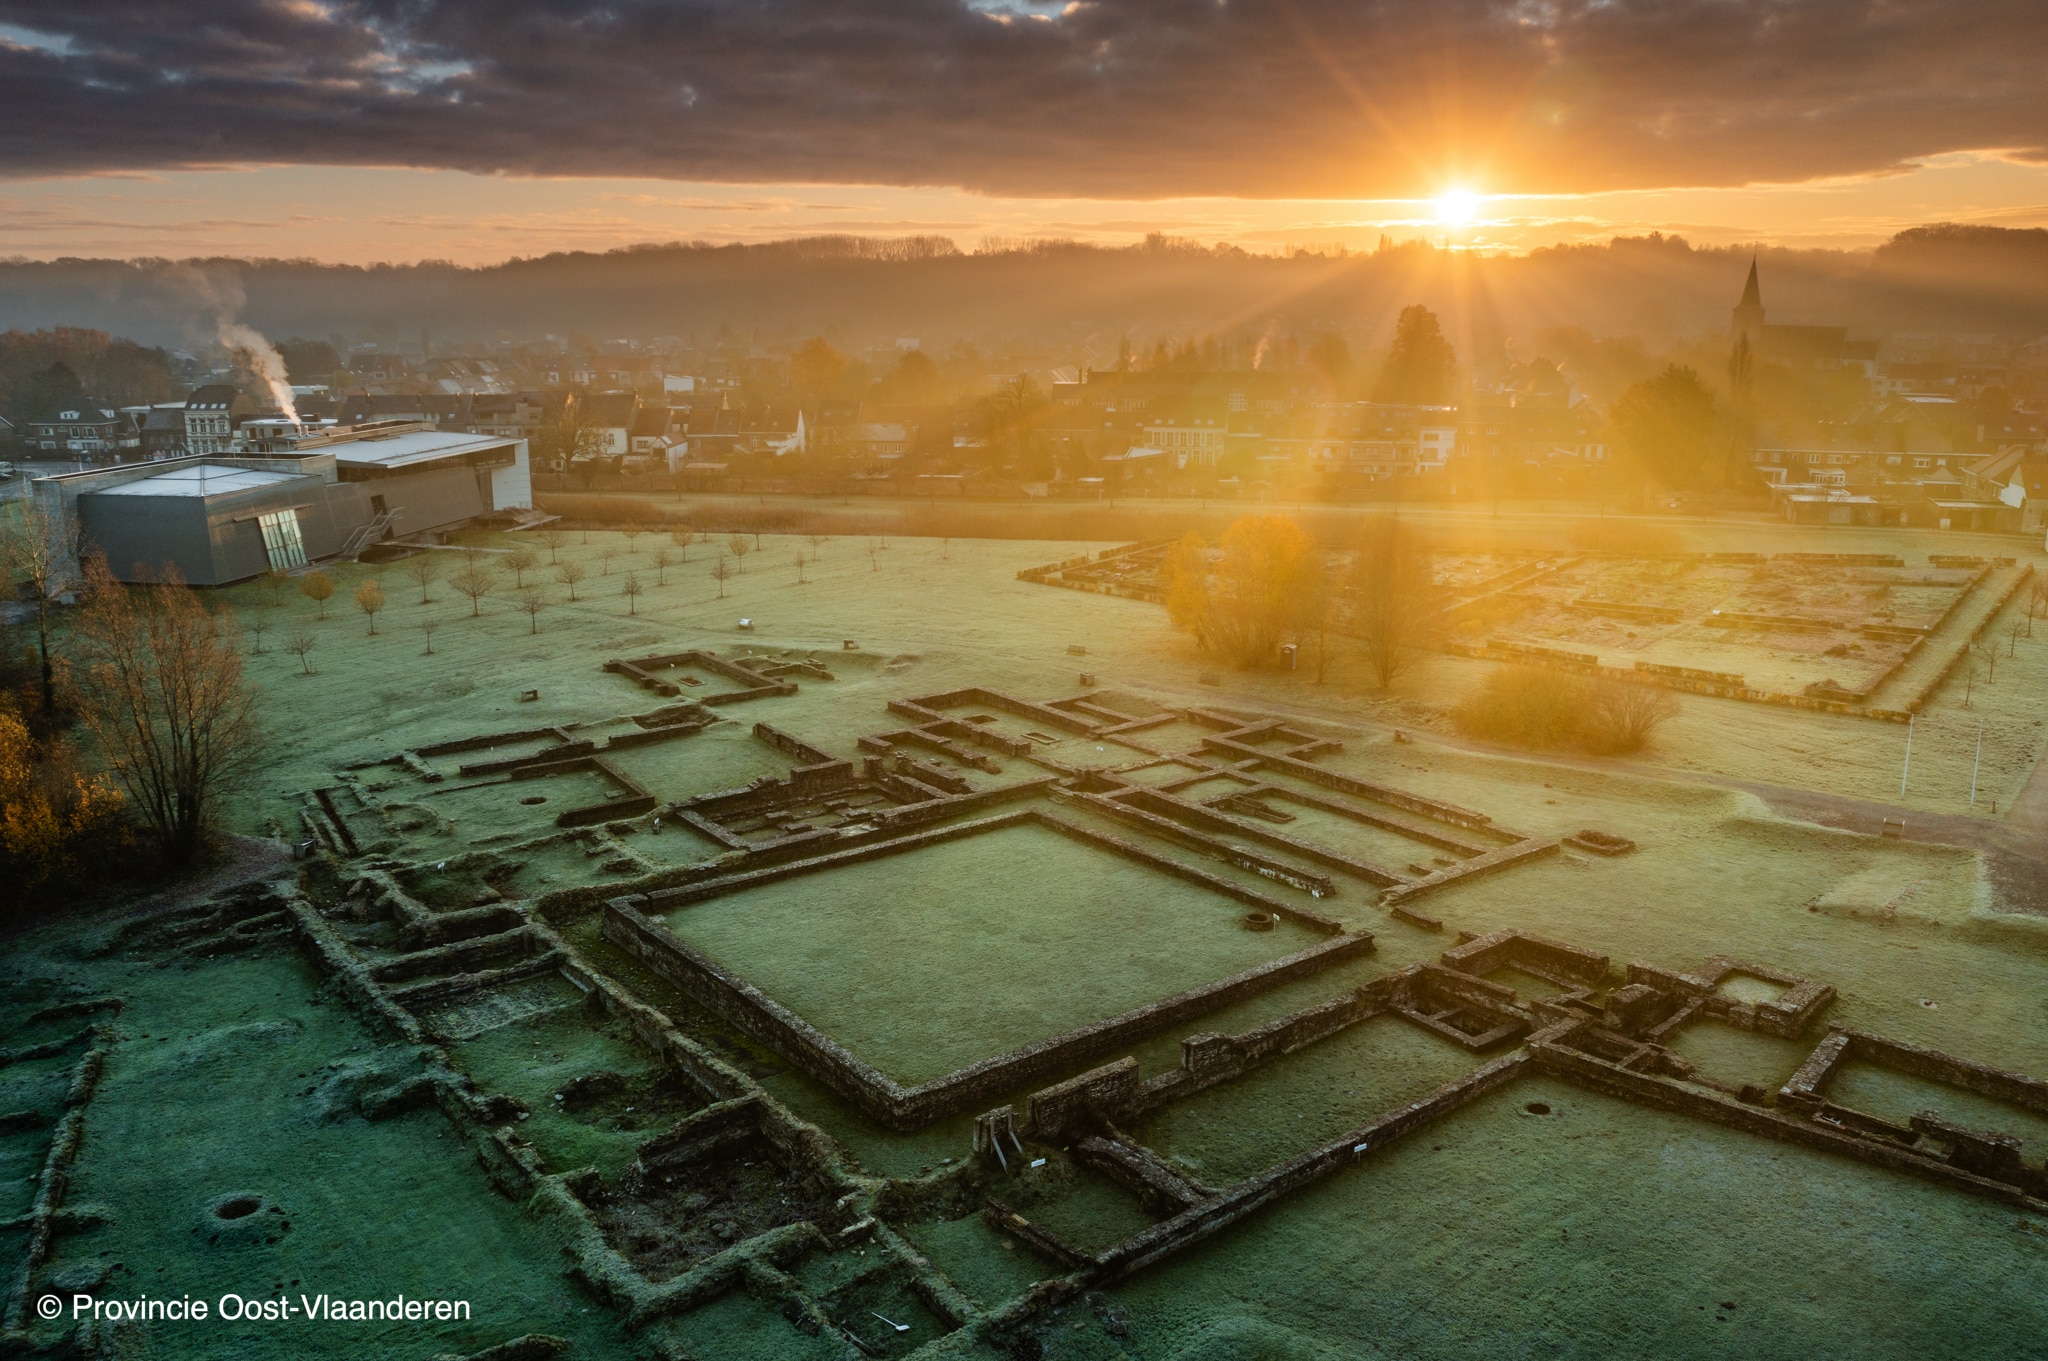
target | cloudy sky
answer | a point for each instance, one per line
(474, 130)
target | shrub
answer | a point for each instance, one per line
(1534, 706)
(1529, 706)
(57, 825)
(1625, 717)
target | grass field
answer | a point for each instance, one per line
(1598, 1228)
(926, 963)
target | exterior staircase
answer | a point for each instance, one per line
(368, 534)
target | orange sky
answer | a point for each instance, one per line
(365, 215)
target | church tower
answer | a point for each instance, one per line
(1747, 321)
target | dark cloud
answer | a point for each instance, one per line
(1116, 98)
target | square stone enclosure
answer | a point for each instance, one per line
(1019, 966)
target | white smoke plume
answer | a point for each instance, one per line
(217, 294)
(263, 357)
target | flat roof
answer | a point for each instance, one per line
(202, 479)
(419, 446)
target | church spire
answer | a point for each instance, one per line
(1746, 322)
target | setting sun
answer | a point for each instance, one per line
(1457, 207)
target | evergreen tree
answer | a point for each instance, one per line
(1422, 368)
(1676, 435)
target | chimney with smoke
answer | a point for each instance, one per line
(218, 294)
(242, 339)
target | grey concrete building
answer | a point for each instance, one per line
(220, 519)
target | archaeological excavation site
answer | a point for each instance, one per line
(993, 978)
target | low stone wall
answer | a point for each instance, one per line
(1154, 803)
(1306, 880)
(1254, 1193)
(1536, 955)
(931, 708)
(1669, 1093)
(1844, 1044)
(1364, 789)
(1933, 687)
(766, 1021)
(1477, 867)
(795, 748)
(1689, 684)
(753, 685)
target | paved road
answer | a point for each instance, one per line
(2029, 812)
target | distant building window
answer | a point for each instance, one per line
(281, 540)
(1923, 462)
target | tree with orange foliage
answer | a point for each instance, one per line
(1243, 596)
(52, 816)
(369, 599)
(317, 587)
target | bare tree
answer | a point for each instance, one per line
(165, 702)
(662, 562)
(257, 627)
(533, 600)
(476, 583)
(521, 560)
(1393, 598)
(630, 588)
(552, 540)
(874, 563)
(274, 581)
(799, 569)
(1625, 717)
(422, 568)
(427, 626)
(682, 536)
(569, 573)
(738, 546)
(369, 598)
(1319, 608)
(632, 533)
(818, 542)
(38, 548)
(604, 557)
(317, 587)
(720, 573)
(299, 643)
